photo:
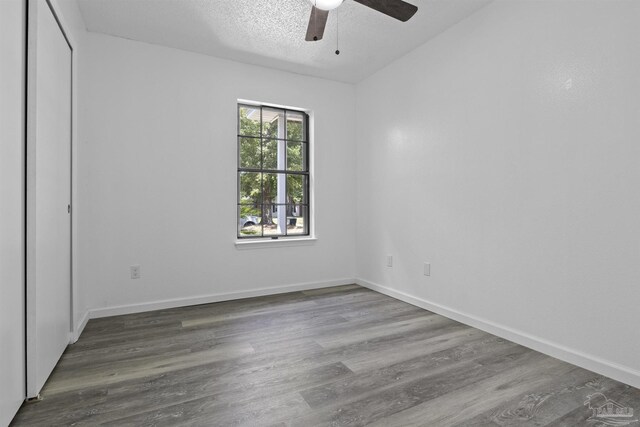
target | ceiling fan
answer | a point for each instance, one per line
(398, 9)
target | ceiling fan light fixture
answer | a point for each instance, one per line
(326, 4)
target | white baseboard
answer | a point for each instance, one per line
(604, 367)
(206, 299)
(73, 337)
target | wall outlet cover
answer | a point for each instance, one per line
(135, 271)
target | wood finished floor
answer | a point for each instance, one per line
(342, 356)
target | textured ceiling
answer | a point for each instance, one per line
(271, 32)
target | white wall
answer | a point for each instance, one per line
(158, 176)
(505, 152)
(12, 184)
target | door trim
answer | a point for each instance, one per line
(34, 7)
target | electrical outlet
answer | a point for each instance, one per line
(427, 269)
(135, 271)
(389, 261)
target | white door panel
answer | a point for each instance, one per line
(49, 294)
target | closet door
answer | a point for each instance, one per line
(49, 196)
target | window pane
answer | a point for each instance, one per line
(249, 221)
(250, 188)
(295, 126)
(296, 156)
(270, 220)
(270, 183)
(270, 154)
(296, 189)
(249, 120)
(250, 153)
(273, 123)
(297, 222)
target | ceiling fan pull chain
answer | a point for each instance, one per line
(315, 19)
(337, 32)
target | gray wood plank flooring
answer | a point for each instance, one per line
(342, 356)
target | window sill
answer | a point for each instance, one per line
(272, 243)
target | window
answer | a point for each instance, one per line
(273, 172)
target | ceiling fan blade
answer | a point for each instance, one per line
(317, 22)
(398, 9)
